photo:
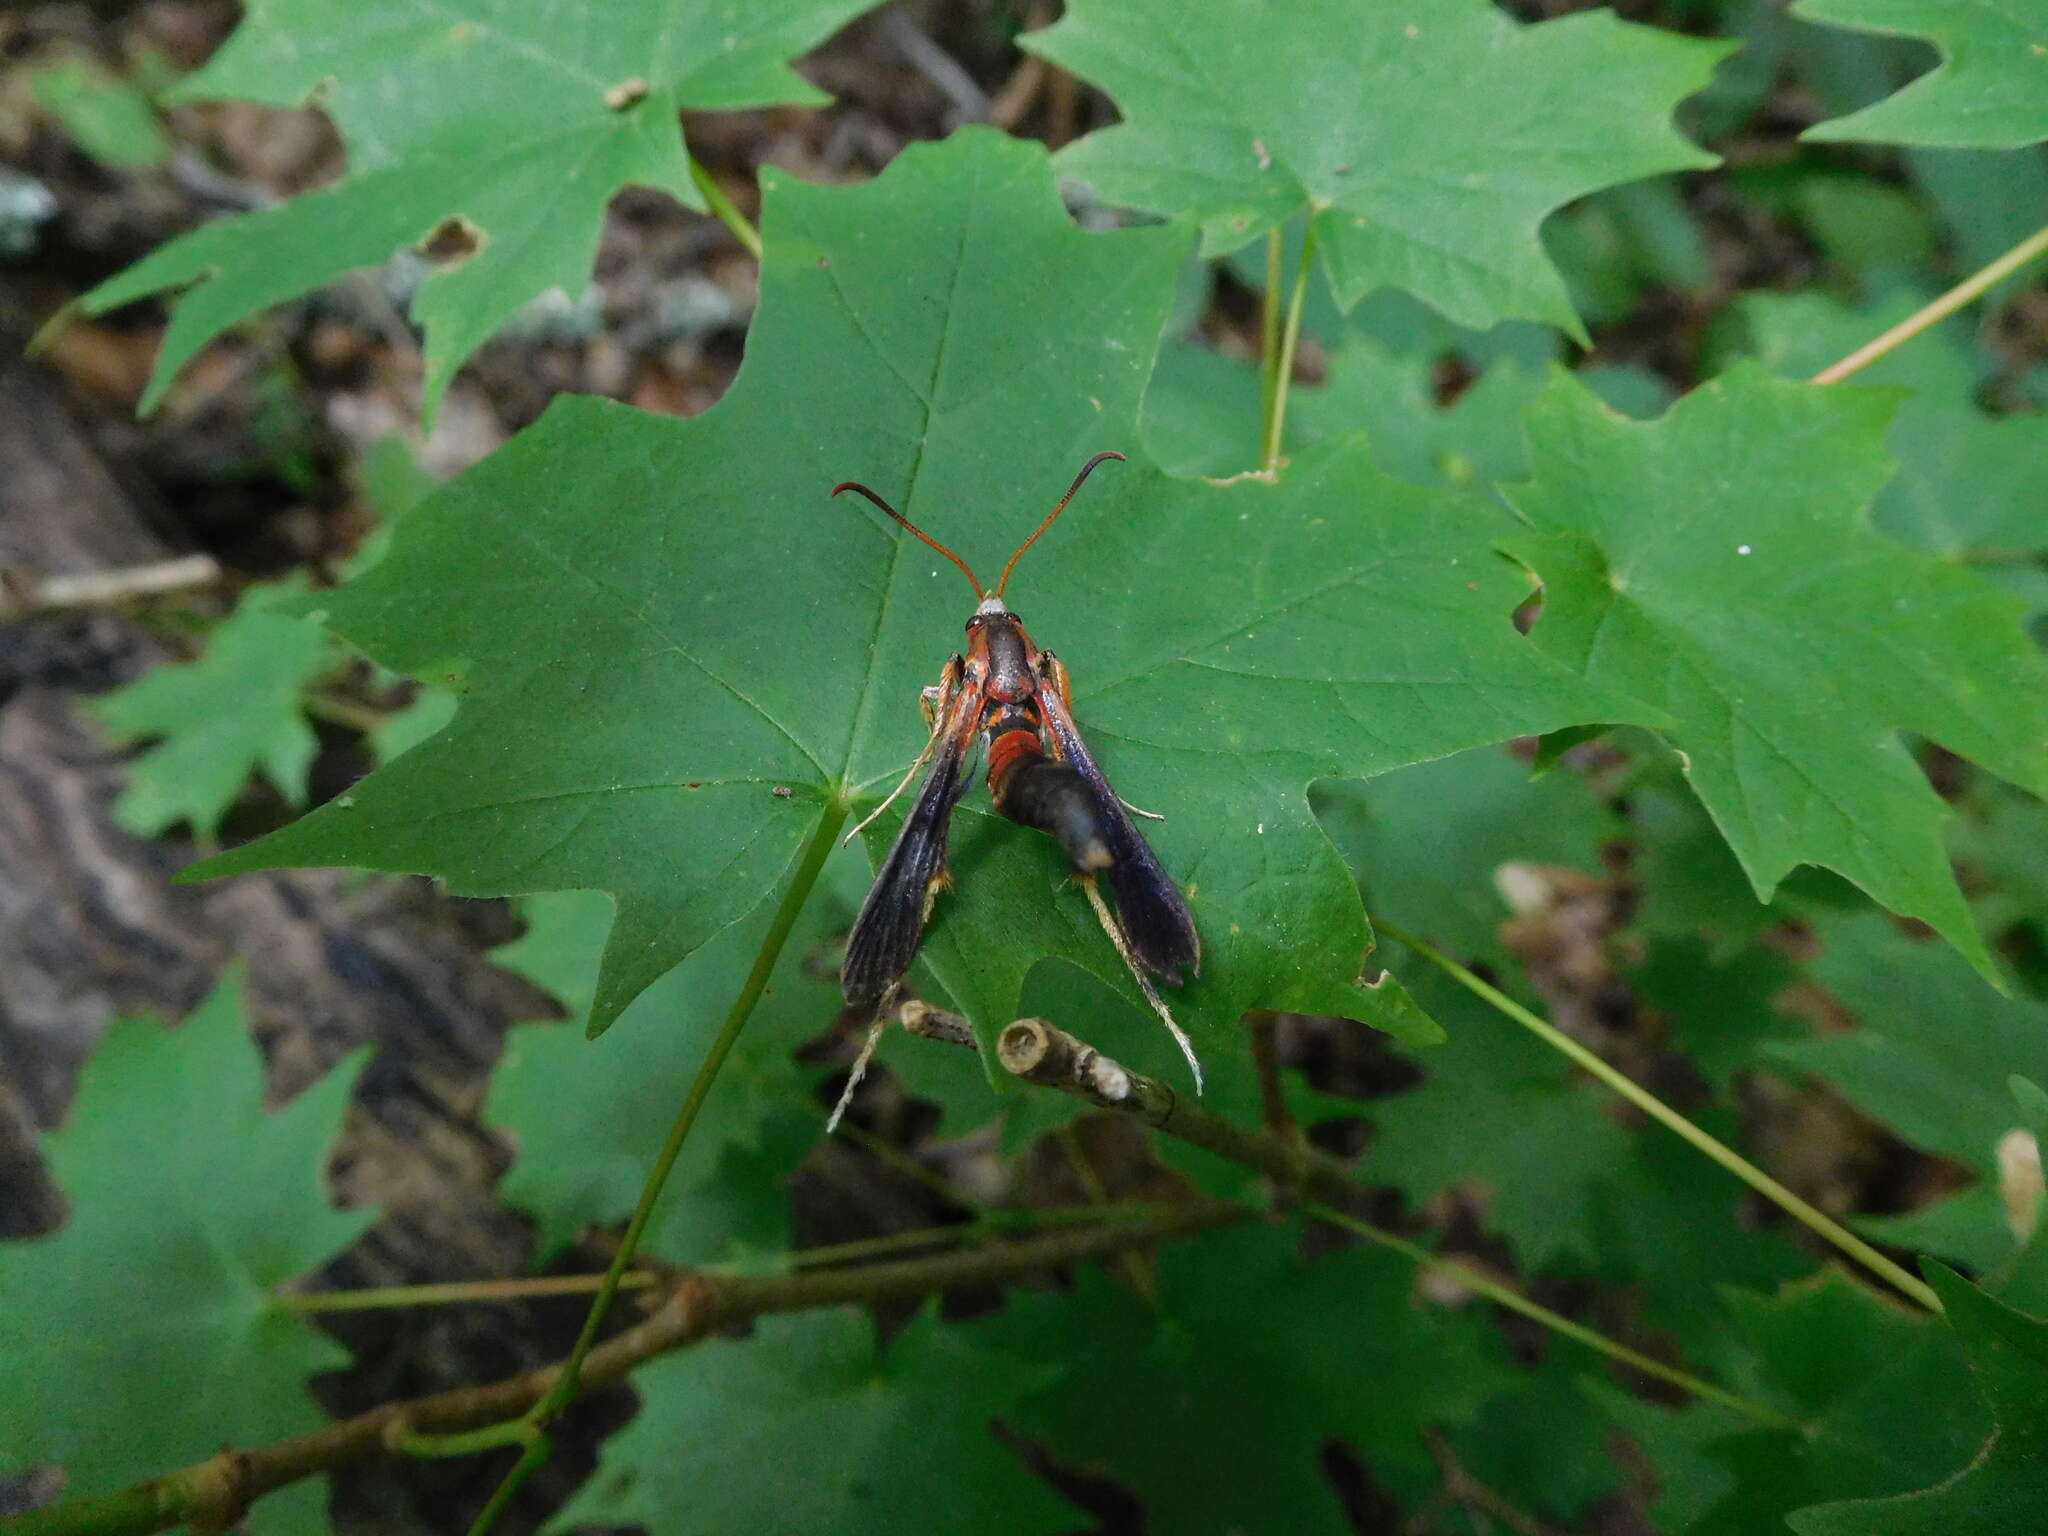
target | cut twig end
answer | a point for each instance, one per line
(920, 1018)
(1025, 1046)
(1045, 1054)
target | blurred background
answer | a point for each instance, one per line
(150, 708)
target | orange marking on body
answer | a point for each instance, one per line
(1008, 751)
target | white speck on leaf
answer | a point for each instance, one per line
(1742, 549)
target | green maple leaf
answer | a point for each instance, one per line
(1935, 1047)
(1663, 1231)
(1880, 1393)
(805, 1426)
(1717, 1007)
(1535, 1444)
(1530, 1138)
(1574, 1191)
(1428, 141)
(1718, 564)
(108, 118)
(1202, 414)
(520, 121)
(1427, 842)
(584, 1118)
(1337, 1347)
(2002, 837)
(140, 1336)
(2004, 1487)
(679, 654)
(1967, 483)
(1990, 91)
(233, 710)
(1691, 881)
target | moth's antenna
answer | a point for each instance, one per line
(1086, 470)
(965, 569)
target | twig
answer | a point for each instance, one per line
(1462, 1488)
(212, 1494)
(1013, 99)
(937, 66)
(1136, 1271)
(528, 1287)
(452, 1292)
(21, 596)
(922, 1019)
(363, 719)
(1969, 288)
(1264, 1027)
(1045, 1054)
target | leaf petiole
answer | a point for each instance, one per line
(1269, 326)
(725, 210)
(1971, 287)
(1283, 363)
(563, 1391)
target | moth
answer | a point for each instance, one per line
(1007, 698)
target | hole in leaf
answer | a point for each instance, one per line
(453, 241)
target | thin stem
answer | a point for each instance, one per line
(1263, 1025)
(2035, 245)
(896, 1158)
(725, 210)
(452, 1292)
(527, 1287)
(337, 710)
(1479, 1281)
(564, 1389)
(1821, 1225)
(1136, 1270)
(1044, 1054)
(1269, 325)
(212, 1494)
(470, 1442)
(1290, 341)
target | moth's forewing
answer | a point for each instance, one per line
(891, 922)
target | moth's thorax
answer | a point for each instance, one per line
(1000, 653)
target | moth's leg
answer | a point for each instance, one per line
(1115, 930)
(1052, 674)
(936, 702)
(867, 1050)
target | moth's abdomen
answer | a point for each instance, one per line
(1041, 792)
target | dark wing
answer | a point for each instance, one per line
(1149, 905)
(891, 922)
